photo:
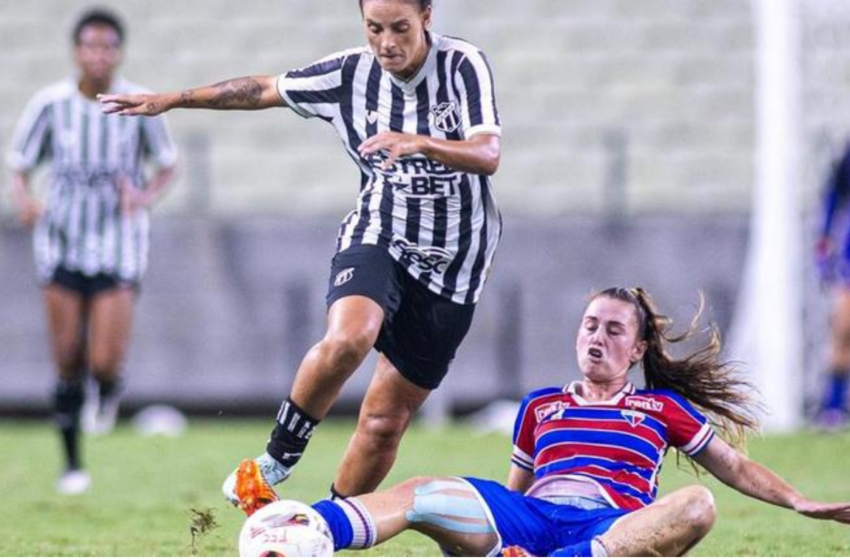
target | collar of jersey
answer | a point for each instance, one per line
(572, 390)
(410, 85)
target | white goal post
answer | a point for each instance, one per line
(767, 334)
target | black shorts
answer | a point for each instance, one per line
(421, 330)
(88, 286)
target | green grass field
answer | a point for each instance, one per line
(146, 488)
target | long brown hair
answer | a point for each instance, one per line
(713, 386)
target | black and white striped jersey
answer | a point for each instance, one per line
(83, 228)
(440, 224)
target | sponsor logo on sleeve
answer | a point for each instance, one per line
(551, 411)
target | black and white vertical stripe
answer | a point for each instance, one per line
(83, 228)
(351, 91)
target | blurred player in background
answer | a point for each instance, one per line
(91, 235)
(416, 111)
(587, 456)
(833, 254)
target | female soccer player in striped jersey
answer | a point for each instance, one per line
(91, 239)
(417, 113)
(587, 457)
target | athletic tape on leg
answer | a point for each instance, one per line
(433, 506)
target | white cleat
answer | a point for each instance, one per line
(251, 485)
(73, 483)
(99, 415)
(229, 489)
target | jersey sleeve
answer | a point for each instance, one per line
(524, 426)
(314, 91)
(479, 113)
(687, 428)
(157, 142)
(31, 140)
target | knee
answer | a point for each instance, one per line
(699, 509)
(383, 431)
(347, 347)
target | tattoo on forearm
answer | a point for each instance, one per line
(237, 94)
(186, 99)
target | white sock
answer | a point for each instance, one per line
(597, 549)
(362, 524)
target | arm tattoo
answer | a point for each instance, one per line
(186, 99)
(241, 93)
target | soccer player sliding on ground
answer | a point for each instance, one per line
(417, 113)
(587, 457)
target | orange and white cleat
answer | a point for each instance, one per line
(251, 490)
(515, 552)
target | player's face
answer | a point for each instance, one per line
(607, 343)
(98, 52)
(395, 30)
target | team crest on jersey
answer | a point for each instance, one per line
(445, 116)
(344, 277)
(552, 411)
(633, 417)
(645, 403)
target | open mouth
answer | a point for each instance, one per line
(595, 353)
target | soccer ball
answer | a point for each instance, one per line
(286, 528)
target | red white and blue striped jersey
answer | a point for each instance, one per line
(618, 444)
(441, 224)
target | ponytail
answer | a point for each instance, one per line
(713, 386)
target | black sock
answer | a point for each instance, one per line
(107, 387)
(291, 433)
(336, 495)
(68, 400)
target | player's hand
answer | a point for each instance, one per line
(133, 198)
(132, 105)
(839, 512)
(515, 552)
(825, 259)
(28, 209)
(394, 144)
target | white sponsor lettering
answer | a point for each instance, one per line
(344, 277)
(645, 403)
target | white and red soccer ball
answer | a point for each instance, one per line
(285, 528)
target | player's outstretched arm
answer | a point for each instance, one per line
(247, 94)
(756, 480)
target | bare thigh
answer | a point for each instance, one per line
(66, 314)
(110, 323)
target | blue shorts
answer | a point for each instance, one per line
(539, 526)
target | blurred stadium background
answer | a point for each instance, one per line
(629, 157)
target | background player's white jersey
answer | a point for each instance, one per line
(83, 228)
(442, 225)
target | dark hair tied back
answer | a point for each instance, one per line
(713, 386)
